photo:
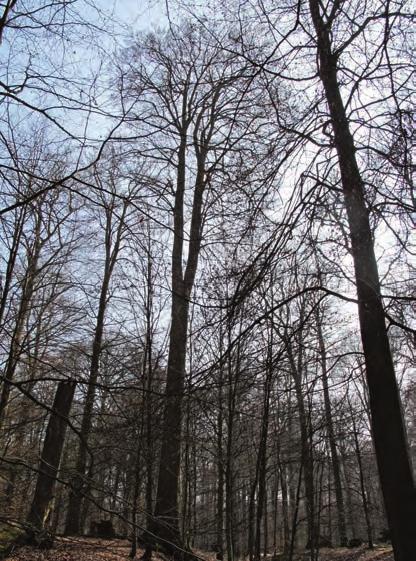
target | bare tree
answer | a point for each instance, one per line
(199, 116)
(387, 420)
(114, 231)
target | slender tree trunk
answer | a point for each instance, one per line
(233, 377)
(386, 414)
(342, 529)
(329, 504)
(307, 459)
(146, 420)
(265, 524)
(363, 489)
(262, 458)
(193, 512)
(275, 500)
(21, 432)
(295, 514)
(22, 314)
(79, 483)
(229, 489)
(285, 507)
(220, 465)
(251, 509)
(349, 492)
(136, 494)
(114, 499)
(149, 463)
(11, 261)
(73, 525)
(149, 413)
(319, 478)
(186, 477)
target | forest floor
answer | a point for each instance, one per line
(91, 549)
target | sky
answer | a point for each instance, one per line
(140, 14)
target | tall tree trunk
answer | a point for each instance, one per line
(348, 484)
(220, 463)
(73, 523)
(59, 502)
(79, 484)
(148, 385)
(329, 499)
(275, 502)
(186, 476)
(386, 414)
(262, 454)
(285, 505)
(233, 378)
(295, 512)
(362, 487)
(307, 458)
(11, 261)
(265, 523)
(165, 524)
(136, 494)
(21, 432)
(342, 528)
(146, 417)
(51, 455)
(22, 314)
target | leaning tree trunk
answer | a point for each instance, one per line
(51, 455)
(386, 414)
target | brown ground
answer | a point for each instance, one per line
(90, 549)
(76, 549)
(379, 553)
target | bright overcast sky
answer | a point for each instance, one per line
(140, 13)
